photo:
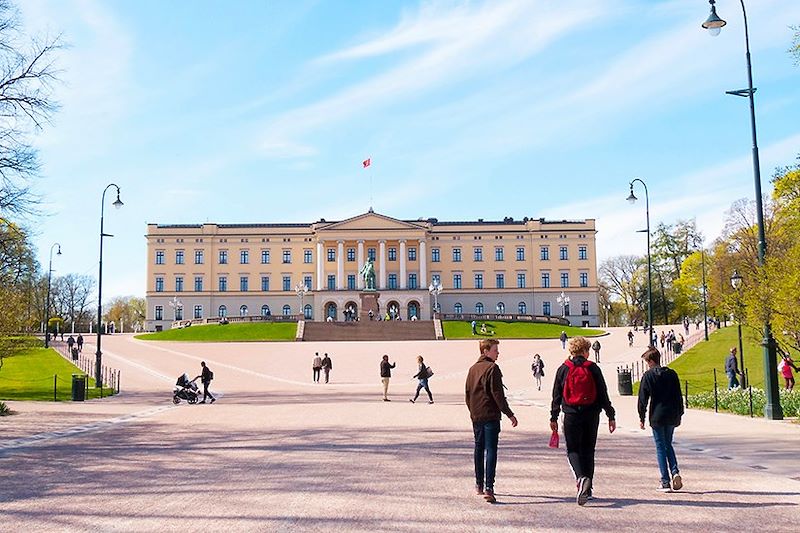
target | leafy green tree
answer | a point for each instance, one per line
(126, 310)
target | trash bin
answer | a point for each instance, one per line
(624, 383)
(78, 387)
(677, 348)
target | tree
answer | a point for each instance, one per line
(622, 276)
(18, 270)
(71, 299)
(795, 48)
(27, 75)
(126, 310)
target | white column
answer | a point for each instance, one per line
(320, 269)
(423, 265)
(402, 264)
(360, 279)
(382, 259)
(340, 265)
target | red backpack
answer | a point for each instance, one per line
(579, 387)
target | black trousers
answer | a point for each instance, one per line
(580, 432)
(205, 390)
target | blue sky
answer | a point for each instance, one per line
(262, 111)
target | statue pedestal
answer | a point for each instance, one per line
(369, 302)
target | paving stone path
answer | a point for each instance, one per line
(280, 453)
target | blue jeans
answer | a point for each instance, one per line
(486, 436)
(667, 462)
(423, 384)
(733, 381)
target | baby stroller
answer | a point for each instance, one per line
(185, 390)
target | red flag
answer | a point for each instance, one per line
(367, 162)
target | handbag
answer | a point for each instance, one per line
(554, 440)
(428, 372)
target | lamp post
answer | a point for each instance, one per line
(563, 299)
(301, 291)
(177, 307)
(608, 311)
(632, 199)
(705, 288)
(435, 289)
(47, 304)
(98, 364)
(772, 408)
(736, 283)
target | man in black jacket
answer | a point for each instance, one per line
(206, 375)
(386, 375)
(661, 387)
(486, 401)
(580, 391)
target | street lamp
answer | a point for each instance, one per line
(632, 199)
(563, 299)
(736, 283)
(177, 307)
(435, 289)
(47, 305)
(301, 291)
(772, 408)
(608, 311)
(705, 289)
(98, 364)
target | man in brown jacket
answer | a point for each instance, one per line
(486, 401)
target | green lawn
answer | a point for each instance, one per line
(29, 375)
(252, 331)
(697, 365)
(456, 329)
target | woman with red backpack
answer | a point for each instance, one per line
(579, 390)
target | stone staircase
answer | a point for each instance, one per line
(404, 330)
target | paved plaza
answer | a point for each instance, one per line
(277, 452)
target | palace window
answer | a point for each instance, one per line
(500, 281)
(435, 255)
(584, 308)
(351, 282)
(456, 255)
(546, 308)
(286, 283)
(198, 283)
(351, 254)
(458, 308)
(478, 281)
(223, 257)
(521, 254)
(479, 308)
(371, 254)
(243, 310)
(392, 281)
(522, 308)
(544, 253)
(456, 281)
(392, 254)
(179, 257)
(582, 255)
(412, 281)
(412, 254)
(223, 283)
(287, 256)
(265, 283)
(499, 254)
(584, 279)
(160, 257)
(545, 280)
(244, 257)
(264, 257)
(159, 284)
(198, 257)
(222, 312)
(477, 253)
(564, 279)
(198, 311)
(331, 282)
(331, 255)
(178, 283)
(520, 280)
(562, 253)
(243, 283)
(159, 312)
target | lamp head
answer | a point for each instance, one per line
(59, 250)
(713, 23)
(736, 280)
(118, 203)
(632, 197)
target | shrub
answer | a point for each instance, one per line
(737, 401)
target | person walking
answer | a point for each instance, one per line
(580, 391)
(661, 388)
(206, 375)
(70, 343)
(327, 366)
(486, 402)
(474, 331)
(596, 348)
(80, 342)
(422, 375)
(563, 339)
(316, 366)
(537, 367)
(630, 338)
(787, 369)
(386, 375)
(732, 369)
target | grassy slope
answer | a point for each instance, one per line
(259, 331)
(29, 376)
(697, 365)
(513, 330)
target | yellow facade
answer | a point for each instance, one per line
(484, 267)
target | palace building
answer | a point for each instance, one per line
(506, 267)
